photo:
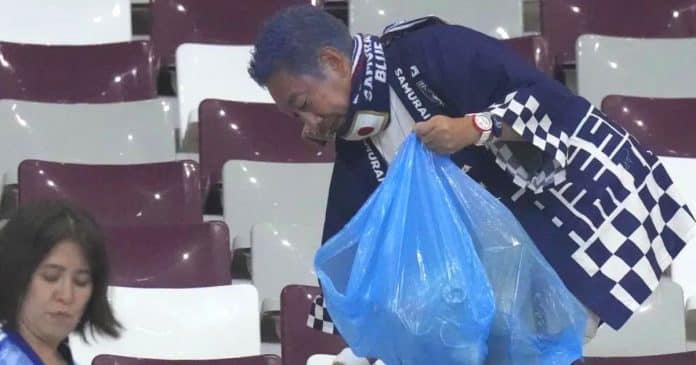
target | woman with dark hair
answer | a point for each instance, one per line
(53, 281)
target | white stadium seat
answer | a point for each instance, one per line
(497, 18)
(636, 67)
(192, 324)
(282, 254)
(206, 71)
(114, 133)
(65, 22)
(273, 192)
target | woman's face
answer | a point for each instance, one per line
(57, 295)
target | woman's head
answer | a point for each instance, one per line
(53, 273)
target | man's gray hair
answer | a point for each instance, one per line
(291, 40)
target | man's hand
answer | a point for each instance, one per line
(446, 135)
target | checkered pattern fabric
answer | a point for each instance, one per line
(319, 317)
(530, 121)
(620, 210)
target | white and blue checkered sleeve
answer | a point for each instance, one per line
(523, 112)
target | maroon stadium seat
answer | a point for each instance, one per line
(562, 21)
(684, 358)
(232, 130)
(535, 49)
(144, 194)
(211, 21)
(169, 255)
(664, 125)
(254, 360)
(103, 73)
(299, 342)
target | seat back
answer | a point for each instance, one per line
(250, 360)
(103, 73)
(299, 342)
(114, 133)
(73, 22)
(682, 358)
(663, 125)
(563, 21)
(179, 324)
(231, 130)
(535, 50)
(169, 255)
(281, 255)
(206, 71)
(258, 192)
(615, 65)
(144, 194)
(497, 18)
(210, 21)
(662, 313)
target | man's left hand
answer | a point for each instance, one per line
(446, 135)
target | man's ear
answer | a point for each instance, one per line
(333, 60)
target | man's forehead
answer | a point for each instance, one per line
(284, 87)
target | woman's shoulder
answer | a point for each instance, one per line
(5, 339)
(15, 351)
(11, 353)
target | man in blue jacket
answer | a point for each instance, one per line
(600, 207)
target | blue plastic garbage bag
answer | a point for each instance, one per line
(434, 270)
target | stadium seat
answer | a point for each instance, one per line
(299, 342)
(143, 194)
(72, 22)
(682, 358)
(281, 255)
(534, 49)
(169, 255)
(113, 133)
(663, 125)
(563, 21)
(657, 327)
(207, 71)
(637, 67)
(251, 360)
(230, 130)
(498, 18)
(179, 324)
(273, 192)
(175, 22)
(104, 73)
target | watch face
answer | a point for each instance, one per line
(483, 123)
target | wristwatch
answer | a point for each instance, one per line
(484, 124)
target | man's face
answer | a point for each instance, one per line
(319, 101)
